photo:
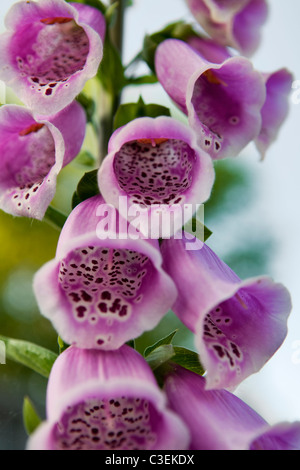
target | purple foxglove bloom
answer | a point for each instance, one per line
(238, 325)
(103, 288)
(235, 23)
(33, 151)
(218, 420)
(50, 50)
(275, 109)
(155, 163)
(278, 87)
(100, 400)
(223, 101)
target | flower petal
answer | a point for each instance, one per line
(275, 109)
(95, 398)
(98, 291)
(238, 324)
(218, 420)
(283, 436)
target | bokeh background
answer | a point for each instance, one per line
(253, 213)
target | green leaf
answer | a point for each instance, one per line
(160, 355)
(166, 340)
(177, 30)
(30, 355)
(143, 80)
(30, 417)
(129, 111)
(86, 188)
(111, 70)
(55, 218)
(187, 359)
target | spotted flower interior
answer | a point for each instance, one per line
(217, 109)
(121, 423)
(155, 171)
(51, 51)
(102, 286)
(23, 176)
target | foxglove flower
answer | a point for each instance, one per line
(155, 164)
(238, 325)
(278, 87)
(223, 101)
(33, 151)
(50, 50)
(103, 288)
(234, 23)
(100, 400)
(218, 420)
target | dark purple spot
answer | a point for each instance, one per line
(81, 311)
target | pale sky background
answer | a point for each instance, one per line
(274, 392)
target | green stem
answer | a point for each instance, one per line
(109, 101)
(118, 28)
(55, 218)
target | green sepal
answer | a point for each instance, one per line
(86, 188)
(30, 355)
(31, 418)
(129, 111)
(62, 346)
(160, 355)
(182, 357)
(166, 340)
(187, 359)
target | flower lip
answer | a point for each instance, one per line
(166, 169)
(93, 395)
(236, 23)
(222, 100)
(34, 149)
(218, 334)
